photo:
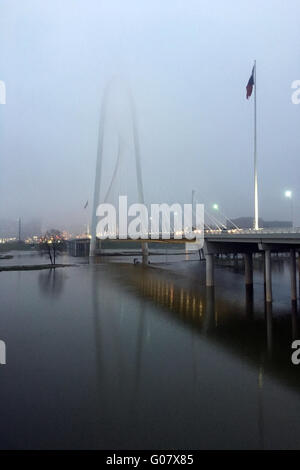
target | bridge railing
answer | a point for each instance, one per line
(253, 231)
(179, 235)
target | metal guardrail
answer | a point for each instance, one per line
(253, 231)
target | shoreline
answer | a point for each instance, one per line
(34, 267)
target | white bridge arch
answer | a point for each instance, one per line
(99, 161)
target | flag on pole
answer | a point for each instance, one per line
(86, 204)
(250, 85)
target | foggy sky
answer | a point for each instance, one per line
(188, 63)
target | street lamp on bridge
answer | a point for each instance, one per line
(216, 208)
(289, 195)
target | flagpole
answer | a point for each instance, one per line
(255, 157)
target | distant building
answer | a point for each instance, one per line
(78, 246)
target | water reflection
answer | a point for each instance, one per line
(261, 437)
(142, 357)
(210, 318)
(260, 339)
(249, 300)
(119, 346)
(51, 282)
(294, 321)
(269, 321)
(128, 364)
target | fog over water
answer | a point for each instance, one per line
(187, 64)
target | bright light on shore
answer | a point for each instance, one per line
(288, 194)
(216, 207)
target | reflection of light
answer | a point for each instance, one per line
(187, 301)
(181, 299)
(194, 305)
(171, 296)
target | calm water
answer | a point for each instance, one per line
(118, 356)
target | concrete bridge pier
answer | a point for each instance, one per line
(248, 269)
(268, 275)
(145, 252)
(293, 275)
(209, 270)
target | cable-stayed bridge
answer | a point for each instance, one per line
(217, 238)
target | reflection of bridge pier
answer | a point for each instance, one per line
(293, 275)
(249, 300)
(248, 244)
(260, 339)
(294, 321)
(209, 319)
(269, 319)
